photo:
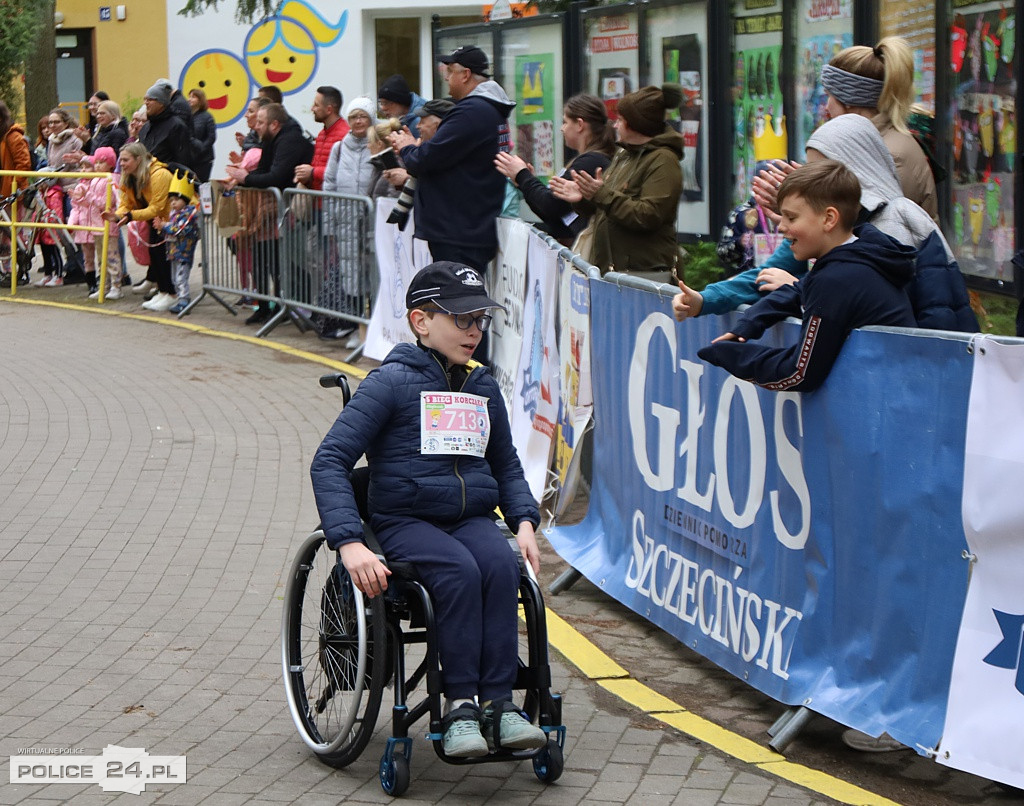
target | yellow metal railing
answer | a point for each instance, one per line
(15, 224)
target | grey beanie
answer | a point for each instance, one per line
(160, 92)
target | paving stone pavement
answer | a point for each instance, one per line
(150, 500)
(153, 486)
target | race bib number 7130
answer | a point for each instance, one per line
(453, 423)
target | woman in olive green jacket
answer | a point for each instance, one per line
(633, 205)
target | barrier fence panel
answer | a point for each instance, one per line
(327, 259)
(240, 244)
(814, 544)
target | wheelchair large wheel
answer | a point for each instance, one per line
(333, 649)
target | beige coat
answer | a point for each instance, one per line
(912, 166)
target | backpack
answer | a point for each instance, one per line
(736, 243)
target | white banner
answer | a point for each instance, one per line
(399, 257)
(576, 398)
(506, 283)
(984, 731)
(534, 407)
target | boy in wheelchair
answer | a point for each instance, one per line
(439, 447)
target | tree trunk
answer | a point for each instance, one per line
(41, 73)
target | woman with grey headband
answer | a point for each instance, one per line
(878, 83)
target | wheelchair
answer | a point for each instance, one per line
(340, 650)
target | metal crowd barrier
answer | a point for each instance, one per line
(239, 244)
(308, 252)
(328, 266)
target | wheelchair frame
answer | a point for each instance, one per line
(340, 650)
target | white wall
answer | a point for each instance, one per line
(347, 63)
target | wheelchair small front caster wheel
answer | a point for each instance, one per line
(548, 763)
(394, 775)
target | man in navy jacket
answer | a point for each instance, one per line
(459, 195)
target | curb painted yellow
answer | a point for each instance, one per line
(585, 656)
(592, 662)
(341, 366)
(643, 697)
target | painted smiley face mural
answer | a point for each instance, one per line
(224, 79)
(283, 50)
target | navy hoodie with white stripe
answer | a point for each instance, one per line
(859, 283)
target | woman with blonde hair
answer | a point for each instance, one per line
(145, 183)
(878, 83)
(378, 135)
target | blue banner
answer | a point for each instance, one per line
(807, 543)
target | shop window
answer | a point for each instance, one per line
(759, 121)
(398, 49)
(984, 139)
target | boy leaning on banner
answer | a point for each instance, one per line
(439, 447)
(859, 279)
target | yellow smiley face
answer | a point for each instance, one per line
(282, 52)
(224, 79)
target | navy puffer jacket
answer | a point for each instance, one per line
(383, 421)
(938, 291)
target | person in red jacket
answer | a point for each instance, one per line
(326, 110)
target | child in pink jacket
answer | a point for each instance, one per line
(104, 161)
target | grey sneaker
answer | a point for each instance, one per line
(462, 738)
(514, 730)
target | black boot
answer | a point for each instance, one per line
(90, 280)
(261, 314)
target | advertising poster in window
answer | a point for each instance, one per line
(984, 139)
(613, 58)
(759, 123)
(915, 22)
(535, 111)
(824, 29)
(681, 58)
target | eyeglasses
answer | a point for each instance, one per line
(464, 321)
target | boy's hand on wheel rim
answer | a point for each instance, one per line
(368, 573)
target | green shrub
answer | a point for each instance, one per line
(701, 266)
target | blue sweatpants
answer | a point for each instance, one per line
(473, 578)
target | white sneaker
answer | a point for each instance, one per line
(162, 302)
(113, 293)
(148, 304)
(42, 280)
(95, 294)
(143, 287)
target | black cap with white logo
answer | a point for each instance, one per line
(470, 57)
(453, 287)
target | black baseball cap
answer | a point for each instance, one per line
(439, 107)
(453, 287)
(469, 56)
